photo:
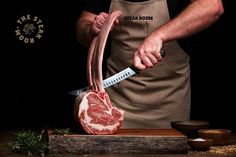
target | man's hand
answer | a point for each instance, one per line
(89, 25)
(148, 53)
(99, 21)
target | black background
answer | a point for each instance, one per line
(35, 78)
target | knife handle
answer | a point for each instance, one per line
(162, 52)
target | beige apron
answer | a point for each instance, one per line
(158, 95)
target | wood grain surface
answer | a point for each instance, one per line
(125, 141)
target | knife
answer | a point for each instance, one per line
(122, 75)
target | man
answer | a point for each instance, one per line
(160, 93)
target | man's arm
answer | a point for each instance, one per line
(199, 15)
(83, 28)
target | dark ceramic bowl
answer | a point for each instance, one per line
(219, 136)
(200, 144)
(190, 128)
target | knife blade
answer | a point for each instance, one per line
(122, 75)
(109, 81)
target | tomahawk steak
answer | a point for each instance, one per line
(93, 109)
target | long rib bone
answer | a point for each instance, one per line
(96, 52)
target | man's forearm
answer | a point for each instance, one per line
(83, 34)
(199, 15)
(83, 28)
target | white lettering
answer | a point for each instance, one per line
(38, 36)
(21, 37)
(28, 16)
(23, 18)
(26, 40)
(18, 32)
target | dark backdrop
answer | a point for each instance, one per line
(36, 78)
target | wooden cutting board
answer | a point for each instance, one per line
(125, 141)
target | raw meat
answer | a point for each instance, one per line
(93, 109)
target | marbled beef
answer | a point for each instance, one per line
(93, 109)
